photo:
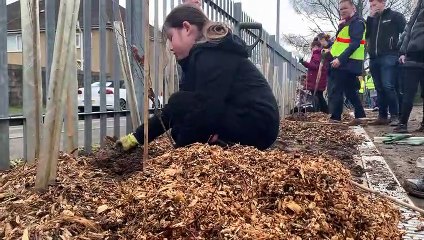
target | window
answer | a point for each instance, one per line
(14, 43)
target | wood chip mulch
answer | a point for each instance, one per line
(197, 192)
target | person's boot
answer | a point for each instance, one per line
(127, 142)
(355, 122)
(421, 128)
(394, 121)
(415, 187)
(401, 128)
(380, 122)
(334, 121)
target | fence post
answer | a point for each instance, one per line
(88, 123)
(135, 21)
(4, 90)
(32, 81)
(238, 12)
(102, 74)
(117, 73)
(128, 39)
(156, 53)
(273, 44)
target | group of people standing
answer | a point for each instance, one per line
(396, 51)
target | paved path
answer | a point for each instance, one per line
(17, 140)
(401, 158)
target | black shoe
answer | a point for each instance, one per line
(394, 121)
(401, 128)
(415, 187)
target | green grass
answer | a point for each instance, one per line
(14, 110)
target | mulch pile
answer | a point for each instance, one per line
(317, 117)
(198, 192)
(312, 134)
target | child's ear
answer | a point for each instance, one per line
(187, 26)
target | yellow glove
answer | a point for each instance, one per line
(127, 142)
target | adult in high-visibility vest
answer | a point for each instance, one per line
(348, 52)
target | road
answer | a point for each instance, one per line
(17, 141)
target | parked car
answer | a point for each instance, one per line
(110, 88)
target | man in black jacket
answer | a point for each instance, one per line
(412, 60)
(384, 26)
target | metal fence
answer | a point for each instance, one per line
(98, 61)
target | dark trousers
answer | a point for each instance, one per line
(343, 83)
(399, 88)
(412, 78)
(320, 103)
(192, 120)
(384, 73)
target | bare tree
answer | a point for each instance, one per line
(324, 16)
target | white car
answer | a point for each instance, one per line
(95, 97)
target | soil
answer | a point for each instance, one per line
(311, 134)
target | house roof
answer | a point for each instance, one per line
(14, 15)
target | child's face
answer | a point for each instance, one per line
(315, 48)
(323, 42)
(182, 39)
(197, 3)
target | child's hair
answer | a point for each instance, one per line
(315, 44)
(323, 36)
(209, 31)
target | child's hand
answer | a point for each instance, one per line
(402, 59)
(335, 63)
(138, 58)
(134, 49)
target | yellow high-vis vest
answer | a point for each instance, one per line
(361, 80)
(342, 43)
(369, 83)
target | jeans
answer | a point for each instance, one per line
(343, 83)
(384, 73)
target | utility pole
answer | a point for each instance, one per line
(277, 32)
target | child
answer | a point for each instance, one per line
(197, 3)
(303, 101)
(224, 98)
(314, 83)
(325, 40)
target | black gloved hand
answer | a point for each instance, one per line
(301, 60)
